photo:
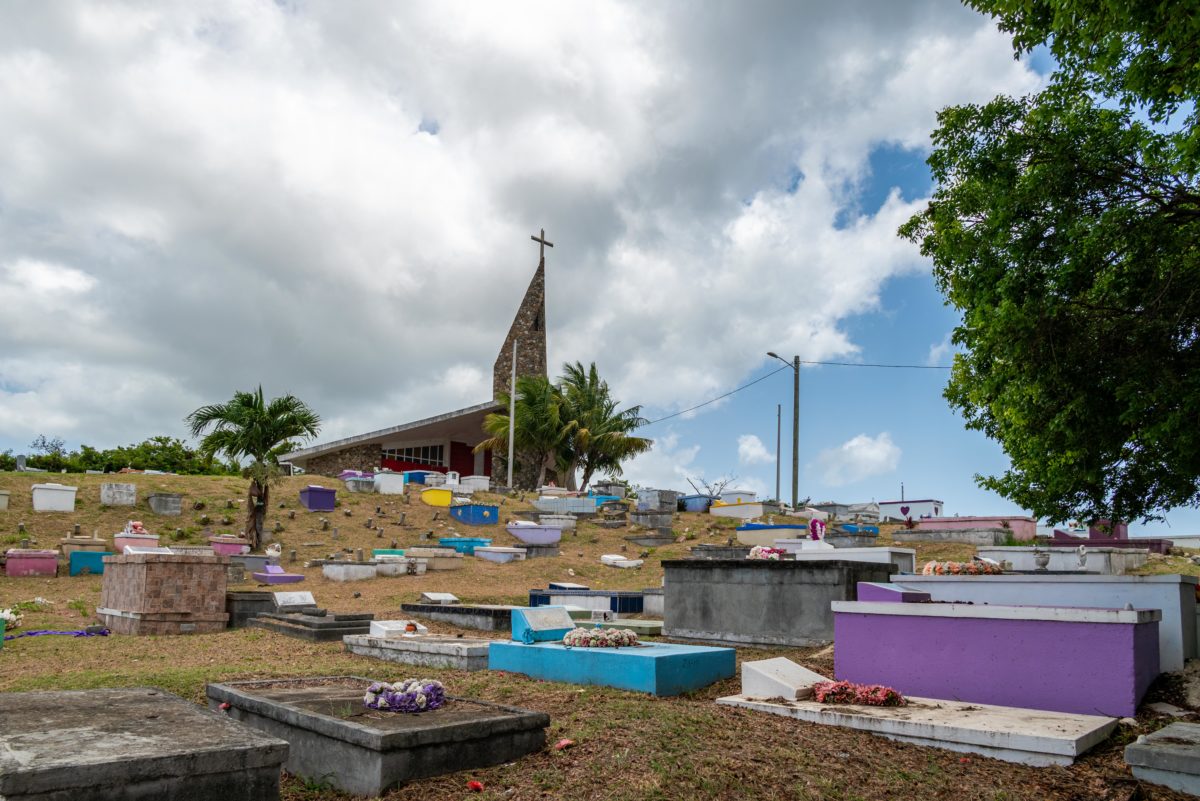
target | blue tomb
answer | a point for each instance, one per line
(625, 602)
(656, 668)
(80, 562)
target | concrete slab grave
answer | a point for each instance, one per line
(661, 669)
(387, 629)
(426, 650)
(313, 625)
(118, 494)
(484, 617)
(136, 744)
(334, 738)
(438, 598)
(1169, 756)
(244, 605)
(759, 601)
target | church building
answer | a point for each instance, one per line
(445, 441)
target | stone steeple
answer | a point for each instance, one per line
(529, 326)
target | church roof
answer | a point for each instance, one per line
(463, 425)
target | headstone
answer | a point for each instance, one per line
(778, 678)
(603, 615)
(395, 628)
(284, 600)
(165, 503)
(541, 624)
(118, 494)
(21, 463)
(438, 598)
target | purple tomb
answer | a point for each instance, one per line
(1020, 656)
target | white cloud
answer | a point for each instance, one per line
(859, 458)
(939, 353)
(667, 465)
(236, 193)
(752, 451)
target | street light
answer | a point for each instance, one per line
(795, 365)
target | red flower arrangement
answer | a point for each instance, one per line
(847, 692)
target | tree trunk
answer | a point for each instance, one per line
(587, 478)
(569, 478)
(255, 512)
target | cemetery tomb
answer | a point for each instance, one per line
(759, 601)
(360, 483)
(1026, 736)
(165, 503)
(696, 503)
(387, 553)
(437, 558)
(53, 498)
(69, 545)
(653, 601)
(534, 534)
(392, 567)
(251, 561)
(642, 628)
(163, 594)
(1169, 756)
(130, 540)
(661, 669)
(386, 629)
(465, 545)
(440, 497)
(118, 494)
(374, 751)
(243, 605)
(666, 501)
(741, 511)
(140, 549)
(626, 602)
(438, 598)
(293, 600)
(349, 571)
(1021, 528)
(316, 498)
(475, 483)
(476, 514)
(768, 534)
(274, 574)
(610, 488)
(562, 522)
(567, 585)
(1107, 561)
(706, 551)
(482, 617)
(541, 551)
(30, 562)
(85, 563)
(1173, 595)
(652, 540)
(619, 561)
(983, 537)
(737, 496)
(566, 506)
(389, 483)
(500, 554)
(425, 650)
(229, 546)
(123, 744)
(313, 625)
(971, 652)
(4, 496)
(902, 560)
(550, 491)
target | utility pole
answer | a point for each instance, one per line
(778, 454)
(512, 413)
(796, 435)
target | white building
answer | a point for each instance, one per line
(916, 509)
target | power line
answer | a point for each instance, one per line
(785, 367)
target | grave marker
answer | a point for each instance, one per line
(438, 598)
(284, 600)
(541, 624)
(118, 494)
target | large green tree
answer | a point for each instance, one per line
(540, 433)
(248, 427)
(1064, 229)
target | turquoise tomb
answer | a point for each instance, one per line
(660, 669)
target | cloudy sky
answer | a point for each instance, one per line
(335, 200)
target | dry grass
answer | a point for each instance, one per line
(629, 746)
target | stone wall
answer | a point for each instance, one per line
(355, 457)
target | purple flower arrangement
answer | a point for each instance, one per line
(410, 695)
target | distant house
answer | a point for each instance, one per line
(916, 509)
(862, 512)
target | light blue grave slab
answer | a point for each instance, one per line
(657, 668)
(541, 624)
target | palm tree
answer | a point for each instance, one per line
(248, 427)
(540, 430)
(602, 435)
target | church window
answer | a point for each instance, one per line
(421, 454)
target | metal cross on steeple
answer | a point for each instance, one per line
(543, 244)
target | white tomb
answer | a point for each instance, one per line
(438, 598)
(53, 498)
(386, 629)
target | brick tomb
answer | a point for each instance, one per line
(152, 593)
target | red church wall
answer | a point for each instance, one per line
(462, 461)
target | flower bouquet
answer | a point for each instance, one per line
(763, 552)
(410, 695)
(846, 692)
(936, 568)
(600, 638)
(11, 618)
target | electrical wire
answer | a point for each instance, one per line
(786, 366)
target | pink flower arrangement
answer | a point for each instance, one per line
(847, 692)
(600, 638)
(763, 552)
(936, 568)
